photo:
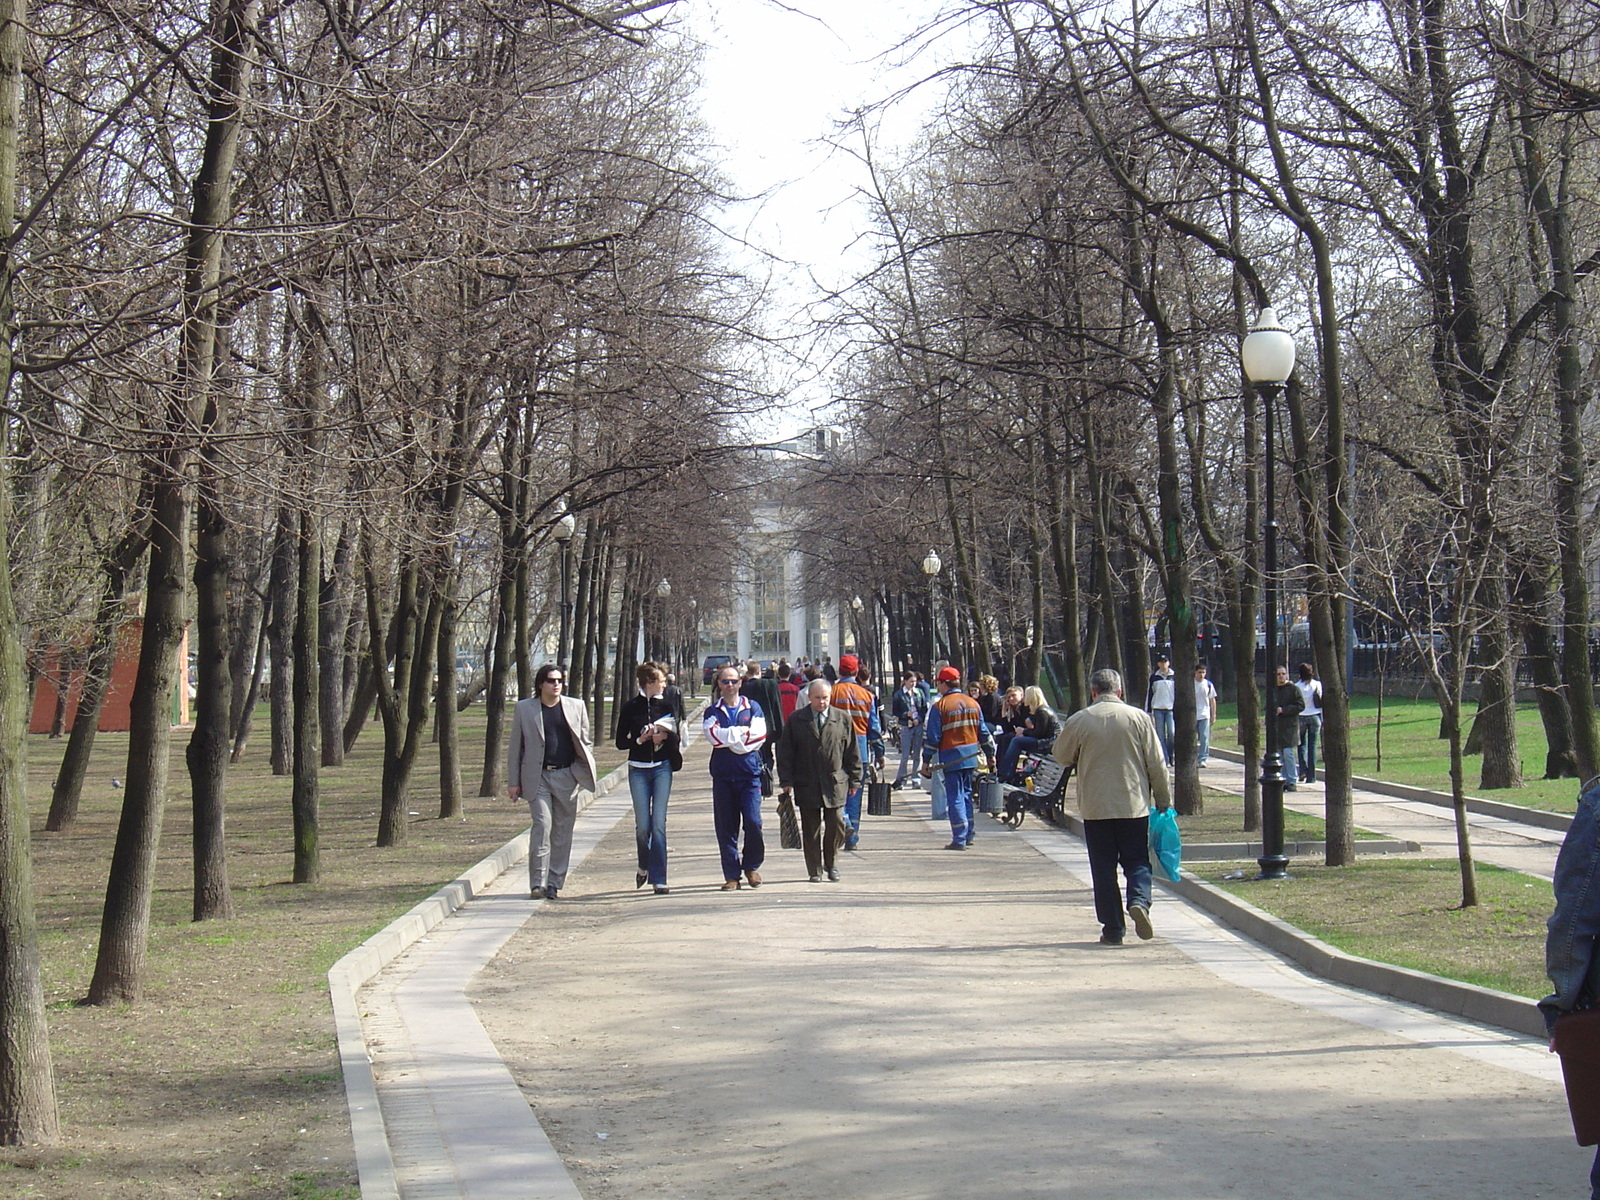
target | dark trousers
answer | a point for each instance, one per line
(1124, 842)
(736, 802)
(822, 832)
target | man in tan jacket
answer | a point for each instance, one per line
(1120, 769)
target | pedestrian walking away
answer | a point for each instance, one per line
(736, 730)
(862, 707)
(957, 735)
(1310, 722)
(1205, 711)
(549, 757)
(1161, 697)
(1114, 749)
(648, 729)
(819, 761)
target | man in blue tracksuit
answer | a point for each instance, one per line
(736, 729)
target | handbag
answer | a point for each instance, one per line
(1576, 1038)
(766, 780)
(788, 823)
(1166, 842)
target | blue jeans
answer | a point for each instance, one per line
(1310, 727)
(736, 802)
(958, 798)
(1289, 763)
(1015, 749)
(1164, 730)
(1202, 729)
(1125, 842)
(852, 802)
(650, 787)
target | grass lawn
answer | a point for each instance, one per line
(1413, 753)
(223, 1078)
(1406, 912)
(1223, 821)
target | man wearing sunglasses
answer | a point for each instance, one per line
(736, 730)
(550, 757)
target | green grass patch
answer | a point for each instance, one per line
(1404, 747)
(1407, 912)
(1223, 821)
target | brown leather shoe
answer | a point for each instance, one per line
(730, 885)
(754, 877)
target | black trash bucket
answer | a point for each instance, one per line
(991, 796)
(878, 793)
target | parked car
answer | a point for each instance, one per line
(713, 664)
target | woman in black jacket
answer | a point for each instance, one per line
(647, 729)
(1037, 735)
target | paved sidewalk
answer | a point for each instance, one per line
(1496, 841)
(936, 1025)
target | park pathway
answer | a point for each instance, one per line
(936, 1025)
(1495, 840)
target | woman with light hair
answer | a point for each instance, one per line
(1037, 735)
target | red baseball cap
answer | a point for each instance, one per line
(849, 664)
(949, 675)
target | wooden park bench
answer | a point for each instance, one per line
(1044, 799)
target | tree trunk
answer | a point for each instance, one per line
(1497, 707)
(210, 743)
(96, 679)
(305, 796)
(501, 653)
(450, 793)
(282, 599)
(27, 1079)
(245, 712)
(125, 923)
(332, 656)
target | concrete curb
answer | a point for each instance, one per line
(1538, 817)
(1485, 1005)
(1222, 851)
(374, 1162)
(1501, 1009)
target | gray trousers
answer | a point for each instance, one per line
(553, 808)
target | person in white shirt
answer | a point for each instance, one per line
(1310, 722)
(1205, 710)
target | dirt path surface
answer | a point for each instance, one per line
(945, 1025)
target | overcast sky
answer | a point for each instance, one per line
(778, 78)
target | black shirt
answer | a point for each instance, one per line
(558, 749)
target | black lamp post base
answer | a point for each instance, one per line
(1273, 866)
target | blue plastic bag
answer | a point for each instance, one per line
(1166, 842)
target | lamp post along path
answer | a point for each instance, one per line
(931, 567)
(1267, 356)
(566, 526)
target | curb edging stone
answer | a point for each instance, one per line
(374, 1161)
(1538, 817)
(1501, 1009)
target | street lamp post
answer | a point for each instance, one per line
(663, 590)
(1267, 356)
(566, 526)
(931, 567)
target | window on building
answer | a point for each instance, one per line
(769, 608)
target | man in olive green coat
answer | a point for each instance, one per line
(819, 761)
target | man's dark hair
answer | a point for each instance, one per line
(542, 675)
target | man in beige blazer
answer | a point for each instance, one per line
(1120, 769)
(551, 756)
(819, 760)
